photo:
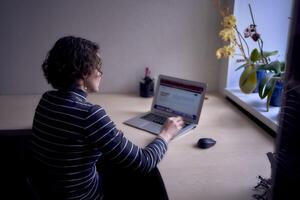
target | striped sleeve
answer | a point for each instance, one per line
(103, 135)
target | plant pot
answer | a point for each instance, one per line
(260, 74)
(277, 94)
(147, 88)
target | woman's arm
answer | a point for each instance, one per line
(103, 134)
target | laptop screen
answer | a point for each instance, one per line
(178, 98)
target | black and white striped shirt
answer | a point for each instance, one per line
(70, 135)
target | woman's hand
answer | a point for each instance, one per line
(171, 128)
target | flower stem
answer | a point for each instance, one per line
(245, 42)
(260, 41)
(251, 14)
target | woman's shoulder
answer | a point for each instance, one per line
(66, 101)
(96, 112)
(96, 109)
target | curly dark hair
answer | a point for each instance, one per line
(69, 60)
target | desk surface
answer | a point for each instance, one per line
(227, 171)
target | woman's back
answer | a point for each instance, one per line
(60, 147)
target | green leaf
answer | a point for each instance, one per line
(265, 86)
(272, 83)
(241, 66)
(269, 53)
(275, 67)
(262, 67)
(255, 56)
(282, 66)
(248, 80)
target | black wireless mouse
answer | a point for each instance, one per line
(205, 143)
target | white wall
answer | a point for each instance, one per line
(174, 37)
(272, 18)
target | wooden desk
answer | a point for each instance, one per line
(227, 171)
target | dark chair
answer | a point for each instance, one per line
(121, 183)
(15, 182)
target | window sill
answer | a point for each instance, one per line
(255, 106)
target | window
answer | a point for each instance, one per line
(272, 18)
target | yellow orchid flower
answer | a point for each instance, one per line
(229, 50)
(219, 53)
(225, 52)
(229, 21)
(227, 34)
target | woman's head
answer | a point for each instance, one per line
(72, 62)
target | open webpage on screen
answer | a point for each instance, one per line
(178, 99)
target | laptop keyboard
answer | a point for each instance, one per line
(157, 119)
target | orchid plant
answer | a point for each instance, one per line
(249, 61)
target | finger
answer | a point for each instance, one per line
(180, 126)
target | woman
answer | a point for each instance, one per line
(72, 137)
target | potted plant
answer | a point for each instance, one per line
(251, 62)
(254, 69)
(271, 85)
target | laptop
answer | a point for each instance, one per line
(173, 97)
